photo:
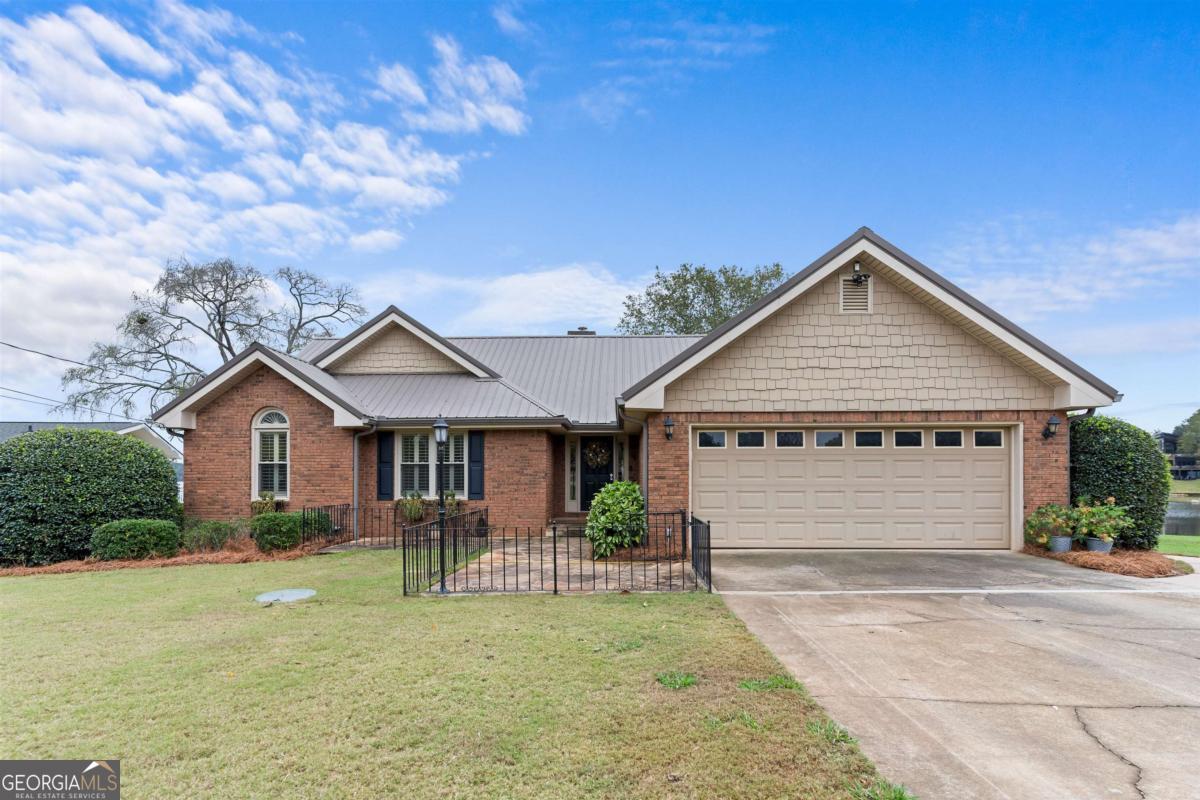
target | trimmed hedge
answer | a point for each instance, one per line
(1111, 458)
(135, 538)
(57, 486)
(208, 536)
(275, 530)
(617, 518)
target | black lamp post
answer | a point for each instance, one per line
(440, 434)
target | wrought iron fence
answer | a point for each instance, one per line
(469, 556)
(327, 525)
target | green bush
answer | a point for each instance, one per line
(135, 538)
(1111, 458)
(1049, 520)
(275, 530)
(617, 518)
(57, 486)
(208, 536)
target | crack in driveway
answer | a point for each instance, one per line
(1137, 782)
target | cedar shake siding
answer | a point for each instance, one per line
(393, 350)
(901, 356)
(217, 454)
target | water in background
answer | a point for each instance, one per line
(1183, 518)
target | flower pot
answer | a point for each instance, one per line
(1060, 544)
(1095, 545)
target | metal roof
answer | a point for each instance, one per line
(576, 376)
(458, 396)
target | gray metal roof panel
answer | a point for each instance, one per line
(456, 396)
(577, 376)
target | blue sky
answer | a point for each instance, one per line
(520, 167)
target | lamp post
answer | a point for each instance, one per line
(440, 433)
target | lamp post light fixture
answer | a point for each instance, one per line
(669, 427)
(1051, 426)
(441, 430)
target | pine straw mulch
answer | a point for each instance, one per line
(1135, 563)
(238, 551)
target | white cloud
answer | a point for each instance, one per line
(181, 131)
(545, 300)
(466, 95)
(376, 241)
(1165, 335)
(400, 83)
(505, 15)
(1027, 270)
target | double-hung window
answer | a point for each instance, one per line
(414, 463)
(271, 454)
(456, 465)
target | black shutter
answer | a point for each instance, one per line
(385, 464)
(475, 465)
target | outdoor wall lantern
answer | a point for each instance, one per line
(1051, 426)
(669, 427)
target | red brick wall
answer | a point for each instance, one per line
(558, 480)
(1046, 470)
(518, 485)
(217, 454)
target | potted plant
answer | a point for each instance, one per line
(1051, 526)
(412, 507)
(1099, 525)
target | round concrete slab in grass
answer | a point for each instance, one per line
(285, 596)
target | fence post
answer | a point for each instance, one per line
(554, 534)
(442, 552)
(683, 531)
(403, 558)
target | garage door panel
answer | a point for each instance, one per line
(922, 497)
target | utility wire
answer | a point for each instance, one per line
(69, 360)
(54, 404)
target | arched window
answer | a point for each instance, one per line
(271, 453)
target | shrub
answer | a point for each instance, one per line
(316, 521)
(57, 486)
(1111, 458)
(275, 530)
(617, 518)
(412, 506)
(265, 504)
(208, 536)
(1049, 520)
(135, 538)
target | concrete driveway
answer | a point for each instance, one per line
(988, 675)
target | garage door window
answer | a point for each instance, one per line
(868, 438)
(751, 439)
(711, 439)
(947, 439)
(829, 439)
(908, 439)
(989, 438)
(789, 438)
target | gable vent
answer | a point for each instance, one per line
(855, 298)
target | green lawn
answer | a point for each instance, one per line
(1179, 545)
(1184, 487)
(363, 693)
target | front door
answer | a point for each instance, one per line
(596, 467)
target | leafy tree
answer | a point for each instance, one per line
(695, 299)
(195, 309)
(1188, 432)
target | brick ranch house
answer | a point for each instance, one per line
(867, 402)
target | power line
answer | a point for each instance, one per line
(46, 355)
(55, 404)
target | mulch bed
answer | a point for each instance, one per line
(239, 551)
(1135, 563)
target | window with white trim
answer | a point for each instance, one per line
(751, 439)
(908, 439)
(271, 454)
(456, 465)
(414, 463)
(710, 439)
(828, 439)
(789, 438)
(868, 438)
(947, 439)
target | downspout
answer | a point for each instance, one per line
(354, 500)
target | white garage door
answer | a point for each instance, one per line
(854, 487)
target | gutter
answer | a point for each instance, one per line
(623, 417)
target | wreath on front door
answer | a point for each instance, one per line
(596, 455)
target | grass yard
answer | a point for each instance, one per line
(1179, 545)
(362, 693)
(1184, 487)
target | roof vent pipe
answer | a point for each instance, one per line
(582, 330)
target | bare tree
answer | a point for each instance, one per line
(164, 342)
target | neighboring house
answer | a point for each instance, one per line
(1167, 442)
(138, 430)
(867, 402)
